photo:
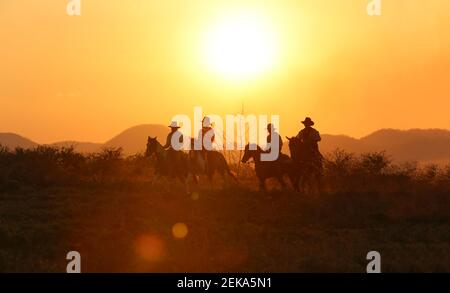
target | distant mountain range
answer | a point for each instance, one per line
(12, 140)
(421, 145)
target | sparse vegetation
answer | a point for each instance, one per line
(53, 200)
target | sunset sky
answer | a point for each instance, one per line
(123, 63)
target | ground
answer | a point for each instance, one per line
(236, 229)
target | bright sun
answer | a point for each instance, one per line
(241, 46)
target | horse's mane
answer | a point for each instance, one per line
(253, 147)
(158, 145)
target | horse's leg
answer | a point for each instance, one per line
(225, 169)
(190, 170)
(294, 179)
(186, 184)
(231, 175)
(194, 178)
(281, 181)
(155, 178)
(310, 182)
(319, 182)
(302, 180)
(200, 165)
(210, 176)
(210, 182)
(315, 181)
(227, 174)
(224, 177)
(262, 184)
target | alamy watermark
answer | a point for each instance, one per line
(73, 8)
(234, 134)
(374, 8)
(374, 265)
(74, 264)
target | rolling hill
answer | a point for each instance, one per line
(134, 139)
(12, 140)
(421, 145)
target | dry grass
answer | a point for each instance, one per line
(104, 206)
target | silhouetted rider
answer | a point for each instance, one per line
(310, 137)
(272, 134)
(206, 135)
(173, 130)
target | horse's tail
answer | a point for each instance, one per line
(232, 174)
(226, 168)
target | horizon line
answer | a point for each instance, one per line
(156, 124)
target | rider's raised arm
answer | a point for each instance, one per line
(168, 141)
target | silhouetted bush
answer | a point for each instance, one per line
(47, 166)
(376, 172)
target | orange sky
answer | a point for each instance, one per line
(123, 63)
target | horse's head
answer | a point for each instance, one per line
(293, 141)
(152, 144)
(295, 146)
(251, 151)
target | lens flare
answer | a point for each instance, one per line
(150, 248)
(179, 230)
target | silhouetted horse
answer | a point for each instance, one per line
(208, 163)
(270, 169)
(169, 163)
(178, 164)
(308, 164)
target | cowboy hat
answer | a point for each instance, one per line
(174, 124)
(308, 122)
(206, 122)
